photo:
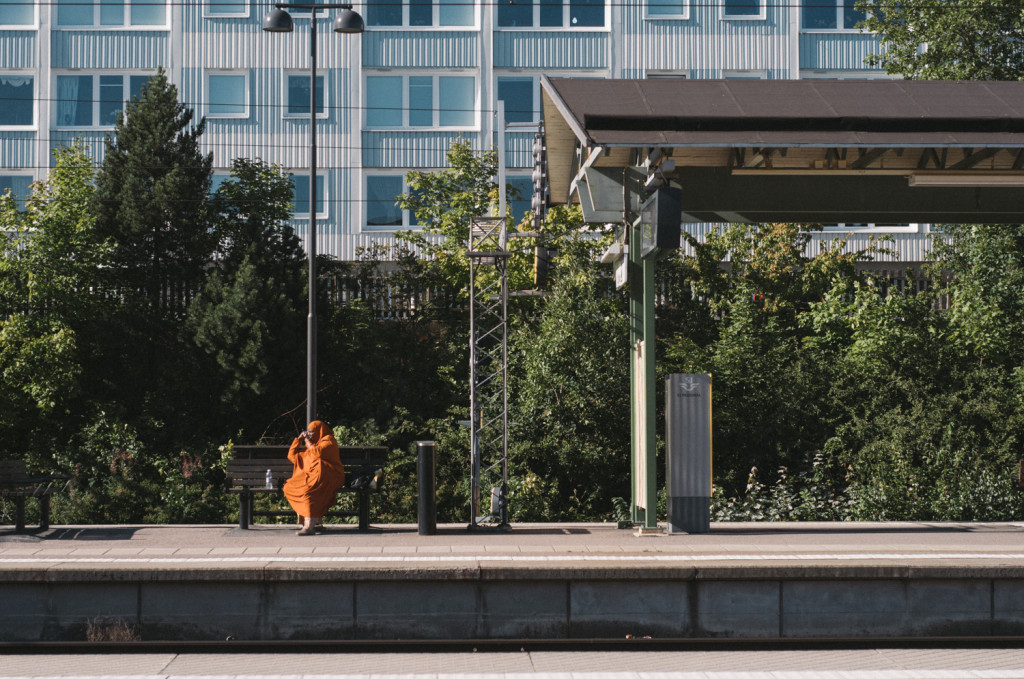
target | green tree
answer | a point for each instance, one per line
(569, 394)
(444, 202)
(984, 264)
(948, 40)
(248, 317)
(745, 323)
(152, 197)
(51, 304)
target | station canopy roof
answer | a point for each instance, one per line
(882, 151)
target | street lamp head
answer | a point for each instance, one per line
(278, 21)
(349, 22)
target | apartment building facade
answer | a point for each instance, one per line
(392, 99)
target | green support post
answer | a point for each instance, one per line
(643, 471)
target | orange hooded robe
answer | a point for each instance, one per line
(317, 473)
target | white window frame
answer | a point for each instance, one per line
(32, 25)
(125, 24)
(566, 18)
(125, 76)
(839, 9)
(677, 16)
(408, 218)
(321, 196)
(435, 20)
(35, 98)
(760, 16)
(210, 14)
(245, 95)
(326, 113)
(435, 105)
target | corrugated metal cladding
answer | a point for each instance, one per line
(193, 20)
(519, 149)
(421, 49)
(704, 44)
(17, 150)
(343, 245)
(906, 246)
(17, 49)
(109, 49)
(93, 142)
(232, 45)
(551, 49)
(399, 149)
(836, 51)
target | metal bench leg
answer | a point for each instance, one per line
(243, 511)
(19, 514)
(364, 511)
(44, 512)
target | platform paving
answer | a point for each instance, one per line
(763, 580)
(880, 663)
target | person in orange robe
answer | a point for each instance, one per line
(316, 477)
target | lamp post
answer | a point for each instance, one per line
(280, 21)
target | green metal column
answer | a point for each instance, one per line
(642, 382)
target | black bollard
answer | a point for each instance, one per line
(427, 501)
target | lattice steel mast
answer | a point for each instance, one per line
(488, 368)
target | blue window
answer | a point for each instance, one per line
(384, 101)
(382, 212)
(667, 8)
(420, 101)
(20, 186)
(518, 207)
(227, 95)
(457, 100)
(17, 93)
(230, 8)
(94, 100)
(586, 13)
(111, 12)
(420, 13)
(301, 196)
(383, 13)
(455, 13)
(517, 93)
(831, 14)
(298, 95)
(743, 8)
(518, 13)
(552, 14)
(17, 13)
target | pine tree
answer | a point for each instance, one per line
(152, 198)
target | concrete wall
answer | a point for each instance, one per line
(495, 603)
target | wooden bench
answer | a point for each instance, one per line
(246, 475)
(16, 484)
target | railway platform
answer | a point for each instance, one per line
(534, 581)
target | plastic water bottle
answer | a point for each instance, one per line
(270, 480)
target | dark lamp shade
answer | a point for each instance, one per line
(278, 21)
(349, 22)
